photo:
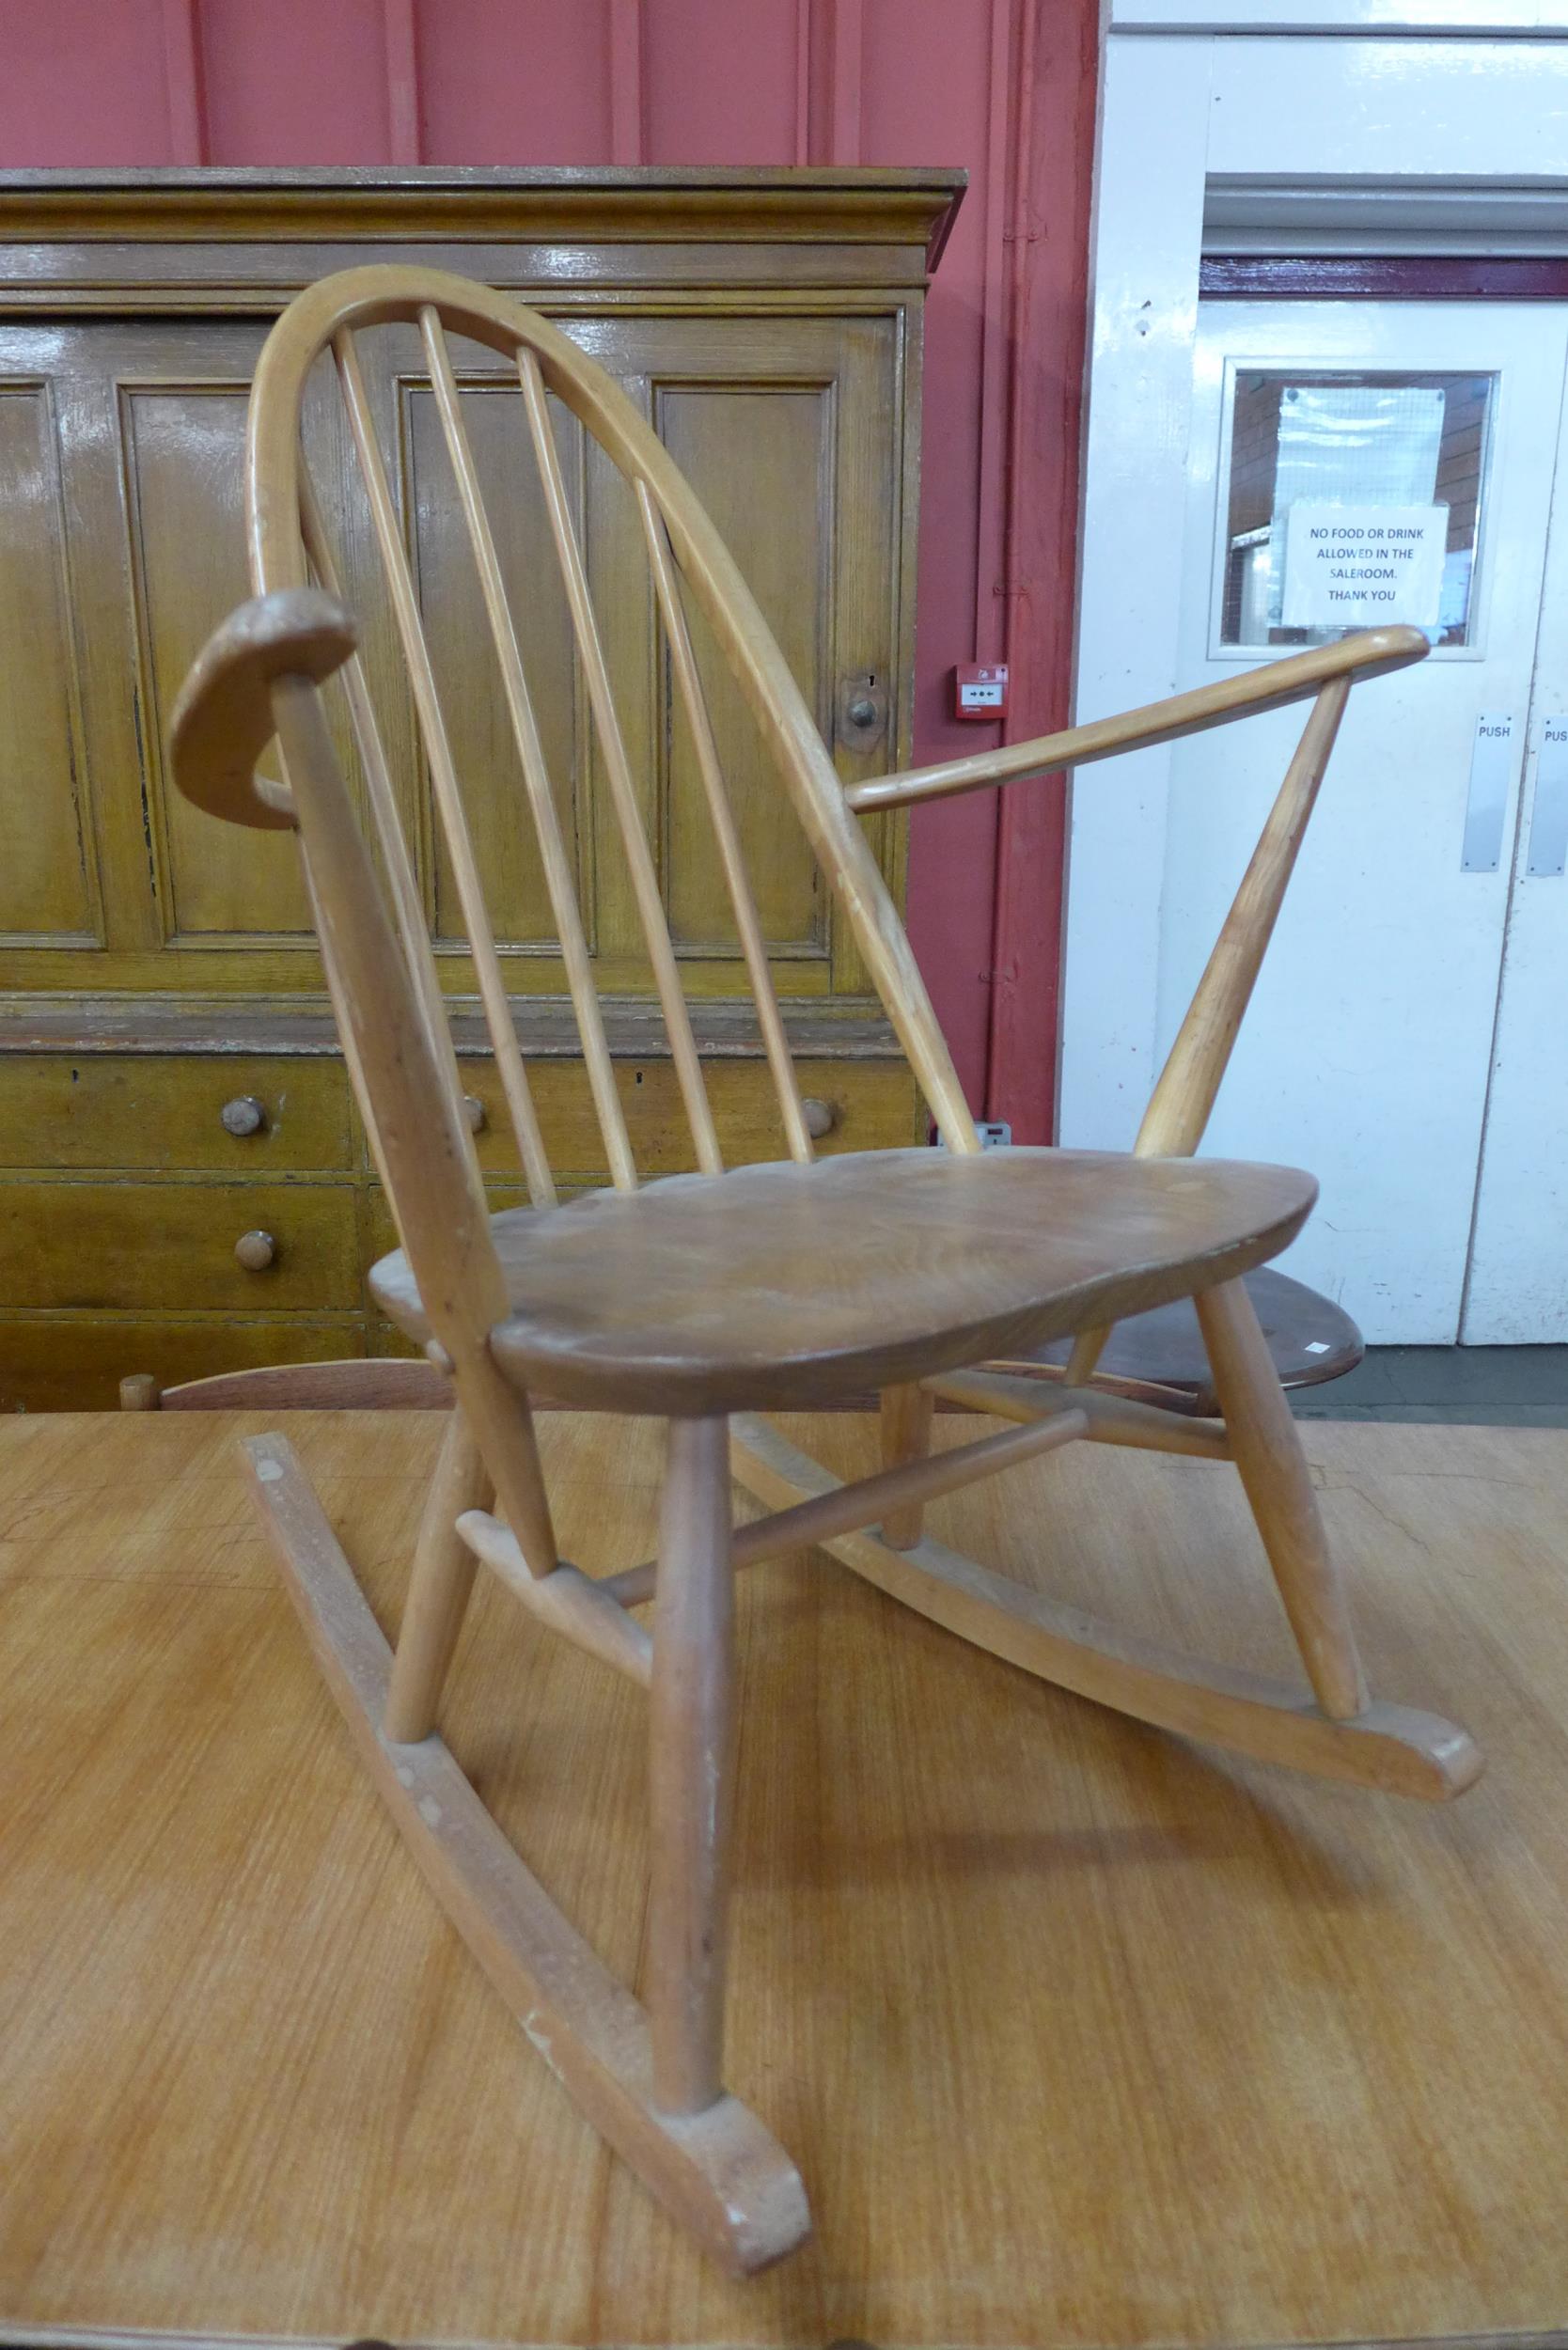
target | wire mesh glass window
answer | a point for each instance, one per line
(1352, 499)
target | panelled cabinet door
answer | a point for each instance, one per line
(49, 877)
(182, 392)
(143, 425)
(140, 427)
(131, 433)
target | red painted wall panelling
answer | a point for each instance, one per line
(82, 84)
(505, 84)
(1047, 312)
(1004, 88)
(927, 98)
(294, 82)
(722, 85)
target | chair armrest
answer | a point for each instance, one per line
(223, 720)
(1370, 653)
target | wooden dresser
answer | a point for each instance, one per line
(168, 1077)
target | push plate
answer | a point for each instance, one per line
(1549, 823)
(1491, 780)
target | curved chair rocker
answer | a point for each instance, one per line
(711, 1298)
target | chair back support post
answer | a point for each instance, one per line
(381, 799)
(1188, 1086)
(1195, 1068)
(422, 1141)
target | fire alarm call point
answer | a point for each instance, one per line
(980, 691)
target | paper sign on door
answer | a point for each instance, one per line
(1353, 566)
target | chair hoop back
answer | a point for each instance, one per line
(290, 549)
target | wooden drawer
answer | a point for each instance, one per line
(380, 1233)
(157, 1111)
(875, 1107)
(132, 1248)
(75, 1362)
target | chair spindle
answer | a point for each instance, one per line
(559, 880)
(754, 950)
(639, 860)
(449, 799)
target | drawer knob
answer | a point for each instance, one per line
(821, 1116)
(243, 1116)
(255, 1252)
(475, 1112)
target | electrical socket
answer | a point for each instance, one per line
(996, 1135)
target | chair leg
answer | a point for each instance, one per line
(691, 1732)
(1266, 1446)
(439, 1587)
(905, 1436)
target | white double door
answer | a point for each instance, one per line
(1408, 1040)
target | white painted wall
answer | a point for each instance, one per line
(1143, 291)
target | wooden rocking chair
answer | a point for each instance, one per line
(709, 1298)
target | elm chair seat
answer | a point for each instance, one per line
(784, 1285)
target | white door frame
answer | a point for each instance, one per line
(1448, 94)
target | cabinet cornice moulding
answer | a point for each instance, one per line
(632, 204)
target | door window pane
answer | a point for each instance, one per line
(1352, 499)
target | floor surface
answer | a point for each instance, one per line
(1497, 1387)
(1080, 2035)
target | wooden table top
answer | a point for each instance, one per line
(1080, 2036)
